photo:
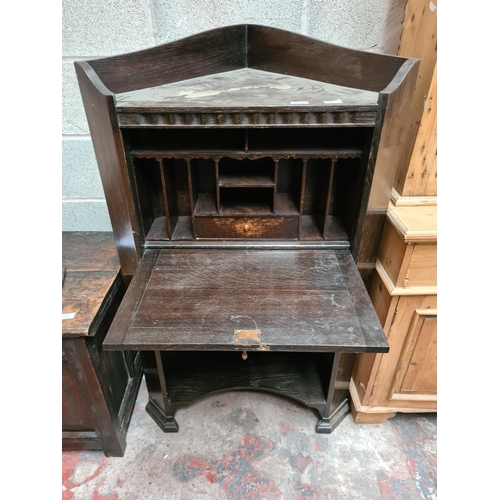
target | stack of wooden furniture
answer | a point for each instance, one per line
(247, 172)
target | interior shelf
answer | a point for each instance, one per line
(245, 207)
(191, 375)
(236, 180)
(206, 206)
(305, 152)
(246, 201)
(271, 152)
(246, 172)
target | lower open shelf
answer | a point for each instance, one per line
(300, 376)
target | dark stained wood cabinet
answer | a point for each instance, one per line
(246, 170)
(99, 388)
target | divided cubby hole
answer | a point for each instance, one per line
(163, 196)
(248, 201)
(331, 198)
(324, 194)
(246, 172)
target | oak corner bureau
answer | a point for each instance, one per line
(247, 172)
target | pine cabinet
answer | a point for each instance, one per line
(404, 294)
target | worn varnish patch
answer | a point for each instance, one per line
(246, 337)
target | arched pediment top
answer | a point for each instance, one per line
(249, 46)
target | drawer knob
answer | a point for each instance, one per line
(246, 227)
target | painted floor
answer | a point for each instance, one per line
(252, 446)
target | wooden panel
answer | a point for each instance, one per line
(300, 300)
(359, 296)
(249, 87)
(417, 372)
(381, 299)
(392, 252)
(289, 320)
(284, 52)
(397, 136)
(422, 269)
(92, 280)
(89, 251)
(390, 148)
(397, 338)
(190, 268)
(419, 40)
(112, 436)
(371, 236)
(110, 154)
(366, 365)
(75, 416)
(247, 227)
(362, 374)
(421, 179)
(86, 295)
(214, 51)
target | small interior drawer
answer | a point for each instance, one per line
(247, 227)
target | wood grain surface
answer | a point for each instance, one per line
(92, 280)
(108, 145)
(284, 52)
(89, 251)
(196, 299)
(253, 87)
(284, 228)
(214, 51)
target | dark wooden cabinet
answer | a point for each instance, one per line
(98, 387)
(246, 171)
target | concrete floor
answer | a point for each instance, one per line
(252, 446)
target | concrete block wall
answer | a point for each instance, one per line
(98, 28)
